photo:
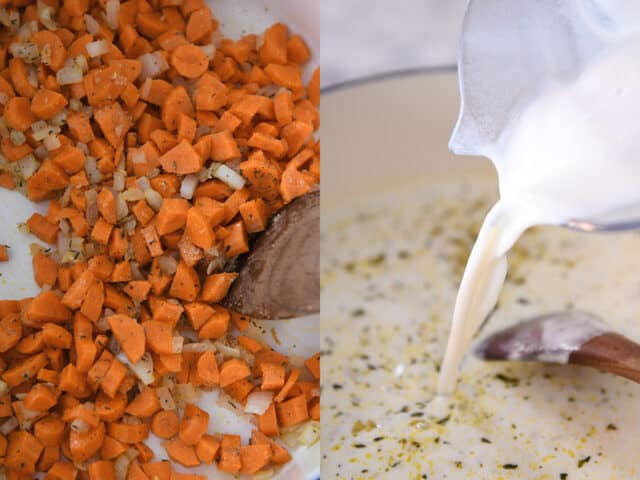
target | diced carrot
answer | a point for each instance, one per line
(230, 460)
(130, 336)
(165, 424)
(313, 364)
(216, 326)
(254, 458)
(207, 449)
(293, 411)
(185, 284)
(233, 370)
(145, 404)
(268, 422)
(181, 159)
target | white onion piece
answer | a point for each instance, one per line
(27, 51)
(69, 75)
(154, 199)
(229, 176)
(138, 156)
(143, 368)
(97, 48)
(258, 402)
(118, 181)
(80, 426)
(92, 25)
(59, 120)
(133, 194)
(112, 12)
(209, 50)
(200, 347)
(75, 104)
(4, 388)
(28, 166)
(166, 399)
(188, 186)
(4, 98)
(226, 350)
(10, 18)
(143, 183)
(9, 426)
(91, 212)
(121, 466)
(122, 209)
(17, 137)
(91, 167)
(168, 265)
(176, 344)
(26, 30)
(46, 13)
(153, 64)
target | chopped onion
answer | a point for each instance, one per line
(186, 393)
(121, 466)
(52, 142)
(143, 368)
(27, 51)
(4, 98)
(133, 194)
(26, 30)
(143, 183)
(93, 27)
(66, 196)
(59, 120)
(92, 206)
(209, 50)
(80, 426)
(258, 402)
(118, 181)
(122, 210)
(168, 265)
(135, 271)
(69, 75)
(154, 199)
(166, 399)
(310, 434)
(83, 147)
(229, 176)
(4, 388)
(91, 167)
(145, 89)
(199, 347)
(17, 137)
(46, 13)
(264, 474)
(75, 104)
(268, 90)
(112, 13)
(226, 350)
(138, 156)
(176, 343)
(97, 48)
(28, 166)
(153, 64)
(216, 38)
(10, 18)
(9, 426)
(188, 186)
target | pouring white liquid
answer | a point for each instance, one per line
(574, 153)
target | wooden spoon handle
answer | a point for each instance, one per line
(610, 352)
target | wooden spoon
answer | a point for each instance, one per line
(576, 338)
(279, 277)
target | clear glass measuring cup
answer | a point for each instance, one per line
(509, 49)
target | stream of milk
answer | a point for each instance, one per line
(573, 153)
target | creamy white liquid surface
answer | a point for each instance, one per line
(573, 154)
(391, 266)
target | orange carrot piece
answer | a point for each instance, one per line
(182, 453)
(42, 228)
(293, 411)
(233, 370)
(230, 460)
(185, 284)
(254, 458)
(207, 449)
(273, 376)
(145, 404)
(102, 470)
(159, 336)
(216, 287)
(313, 364)
(255, 215)
(181, 159)
(207, 369)
(216, 326)
(189, 61)
(129, 334)
(165, 424)
(268, 422)
(286, 388)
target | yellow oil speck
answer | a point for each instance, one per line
(336, 447)
(548, 458)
